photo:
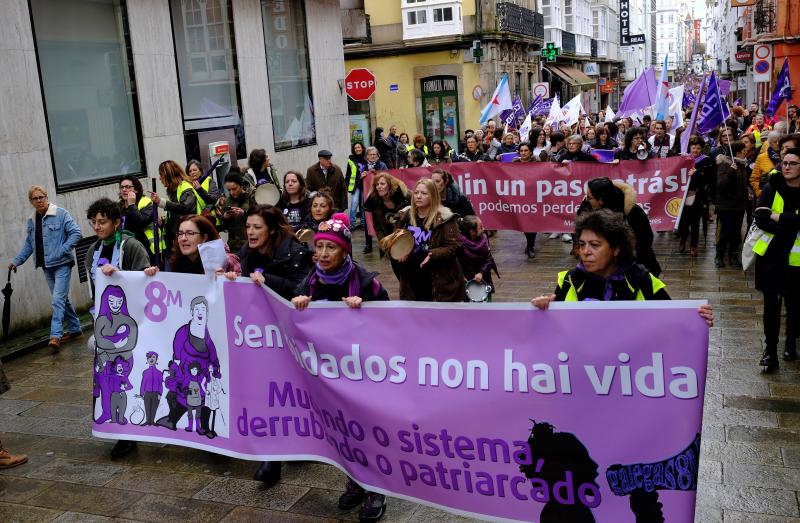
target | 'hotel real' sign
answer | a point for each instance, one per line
(625, 36)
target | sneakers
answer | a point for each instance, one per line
(530, 253)
(553, 236)
(769, 360)
(71, 336)
(8, 460)
(566, 238)
(719, 262)
(54, 344)
(373, 509)
(352, 496)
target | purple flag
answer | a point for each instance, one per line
(738, 102)
(783, 90)
(688, 98)
(535, 104)
(687, 133)
(516, 113)
(724, 87)
(603, 155)
(713, 113)
(543, 107)
(639, 94)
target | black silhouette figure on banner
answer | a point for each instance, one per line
(642, 481)
(563, 476)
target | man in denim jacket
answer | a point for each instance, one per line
(51, 235)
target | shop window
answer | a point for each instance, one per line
(289, 73)
(89, 90)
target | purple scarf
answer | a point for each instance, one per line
(337, 277)
(608, 291)
(478, 253)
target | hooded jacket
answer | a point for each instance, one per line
(284, 271)
(640, 224)
(731, 185)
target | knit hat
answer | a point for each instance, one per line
(337, 230)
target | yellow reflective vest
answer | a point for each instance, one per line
(573, 293)
(762, 243)
(184, 186)
(144, 201)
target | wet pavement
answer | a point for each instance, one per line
(750, 469)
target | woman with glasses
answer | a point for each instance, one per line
(51, 234)
(137, 215)
(778, 258)
(185, 256)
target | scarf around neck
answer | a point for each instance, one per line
(345, 273)
(608, 290)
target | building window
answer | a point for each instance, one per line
(444, 14)
(418, 17)
(289, 73)
(205, 54)
(89, 90)
(568, 15)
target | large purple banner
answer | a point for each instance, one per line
(585, 412)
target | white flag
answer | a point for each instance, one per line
(676, 106)
(499, 102)
(571, 112)
(525, 128)
(609, 114)
(555, 113)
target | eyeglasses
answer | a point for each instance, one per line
(101, 223)
(790, 164)
(188, 234)
(38, 198)
(126, 186)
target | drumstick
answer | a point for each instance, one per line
(156, 241)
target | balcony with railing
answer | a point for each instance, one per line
(512, 18)
(568, 42)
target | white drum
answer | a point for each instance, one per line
(267, 194)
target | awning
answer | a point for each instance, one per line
(573, 76)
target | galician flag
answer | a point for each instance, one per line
(675, 106)
(525, 128)
(783, 90)
(499, 102)
(662, 93)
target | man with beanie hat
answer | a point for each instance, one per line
(234, 209)
(325, 173)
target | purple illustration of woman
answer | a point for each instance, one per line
(192, 344)
(115, 334)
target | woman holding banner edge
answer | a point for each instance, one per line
(607, 270)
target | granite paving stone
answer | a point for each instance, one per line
(732, 516)
(59, 411)
(741, 452)
(750, 499)
(81, 517)
(144, 479)
(322, 502)
(85, 498)
(19, 490)
(252, 493)
(14, 407)
(791, 457)
(761, 476)
(76, 449)
(258, 515)
(71, 471)
(158, 509)
(14, 513)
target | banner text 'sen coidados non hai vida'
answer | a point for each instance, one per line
(557, 415)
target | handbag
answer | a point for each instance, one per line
(748, 255)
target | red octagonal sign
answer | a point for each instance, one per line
(360, 84)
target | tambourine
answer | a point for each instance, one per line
(478, 292)
(267, 194)
(399, 244)
(305, 236)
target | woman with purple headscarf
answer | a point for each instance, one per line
(115, 334)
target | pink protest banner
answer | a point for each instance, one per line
(559, 415)
(544, 196)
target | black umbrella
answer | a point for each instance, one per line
(7, 290)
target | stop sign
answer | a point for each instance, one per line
(359, 84)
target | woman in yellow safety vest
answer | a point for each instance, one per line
(207, 189)
(182, 200)
(419, 143)
(137, 215)
(778, 257)
(608, 271)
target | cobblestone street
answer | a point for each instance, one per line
(750, 470)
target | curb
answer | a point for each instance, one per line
(34, 344)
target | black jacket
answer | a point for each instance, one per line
(773, 273)
(455, 200)
(591, 287)
(371, 289)
(284, 271)
(578, 156)
(382, 216)
(732, 183)
(137, 221)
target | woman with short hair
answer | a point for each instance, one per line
(182, 200)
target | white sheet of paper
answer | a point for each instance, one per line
(213, 255)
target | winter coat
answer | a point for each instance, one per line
(284, 271)
(137, 221)
(640, 224)
(386, 151)
(467, 156)
(773, 272)
(235, 225)
(455, 200)
(764, 164)
(60, 234)
(382, 216)
(370, 289)
(587, 286)
(132, 255)
(732, 183)
(475, 256)
(579, 156)
(176, 210)
(316, 180)
(447, 278)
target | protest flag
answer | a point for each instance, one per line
(639, 94)
(525, 128)
(689, 130)
(500, 100)
(609, 114)
(662, 95)
(571, 112)
(554, 116)
(783, 90)
(713, 113)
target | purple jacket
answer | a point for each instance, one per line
(151, 381)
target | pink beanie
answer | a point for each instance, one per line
(337, 230)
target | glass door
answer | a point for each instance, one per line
(440, 109)
(450, 119)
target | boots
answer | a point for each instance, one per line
(269, 473)
(769, 360)
(790, 352)
(368, 245)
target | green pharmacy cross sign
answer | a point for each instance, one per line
(550, 52)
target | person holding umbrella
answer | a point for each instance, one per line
(51, 235)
